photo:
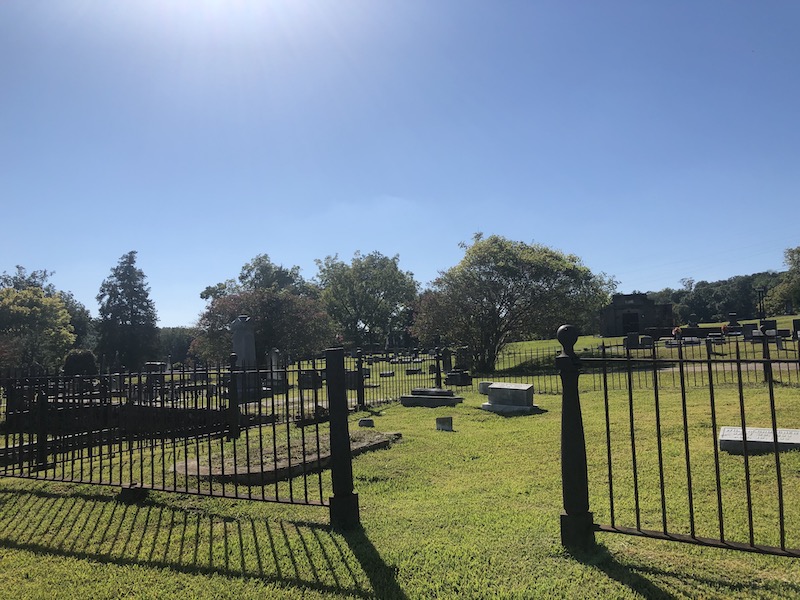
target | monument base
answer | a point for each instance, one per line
(431, 398)
(510, 409)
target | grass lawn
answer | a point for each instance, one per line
(472, 513)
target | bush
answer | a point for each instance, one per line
(80, 362)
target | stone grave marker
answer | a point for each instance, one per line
(759, 440)
(511, 399)
(444, 423)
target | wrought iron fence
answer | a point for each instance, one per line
(537, 365)
(261, 434)
(650, 448)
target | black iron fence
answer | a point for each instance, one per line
(261, 434)
(537, 365)
(690, 443)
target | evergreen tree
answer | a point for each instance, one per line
(128, 335)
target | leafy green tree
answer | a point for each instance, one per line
(80, 361)
(127, 330)
(713, 301)
(504, 290)
(176, 341)
(296, 325)
(261, 273)
(286, 312)
(80, 318)
(22, 280)
(364, 296)
(784, 297)
(34, 328)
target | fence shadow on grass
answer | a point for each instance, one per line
(287, 553)
(673, 583)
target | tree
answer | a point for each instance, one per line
(364, 296)
(80, 361)
(296, 325)
(260, 273)
(34, 328)
(286, 311)
(713, 301)
(502, 290)
(175, 342)
(80, 318)
(127, 329)
(784, 298)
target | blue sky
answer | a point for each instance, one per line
(655, 140)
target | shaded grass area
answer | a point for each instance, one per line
(472, 513)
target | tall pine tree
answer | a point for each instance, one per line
(128, 335)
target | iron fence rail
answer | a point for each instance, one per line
(653, 456)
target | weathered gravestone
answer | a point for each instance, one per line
(244, 346)
(444, 423)
(511, 399)
(759, 440)
(430, 398)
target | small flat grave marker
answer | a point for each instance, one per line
(444, 423)
(759, 440)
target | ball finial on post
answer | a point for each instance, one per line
(567, 336)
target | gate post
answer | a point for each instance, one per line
(577, 525)
(343, 503)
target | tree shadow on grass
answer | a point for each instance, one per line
(96, 527)
(663, 583)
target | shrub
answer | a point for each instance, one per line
(80, 362)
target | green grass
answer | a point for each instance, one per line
(468, 514)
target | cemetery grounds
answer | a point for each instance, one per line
(472, 513)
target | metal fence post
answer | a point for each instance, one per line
(233, 402)
(437, 356)
(41, 428)
(577, 526)
(344, 503)
(360, 400)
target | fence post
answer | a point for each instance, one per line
(577, 526)
(344, 503)
(765, 354)
(41, 429)
(360, 400)
(437, 356)
(233, 402)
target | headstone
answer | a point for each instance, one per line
(458, 378)
(444, 423)
(413, 371)
(796, 327)
(387, 373)
(430, 398)
(632, 341)
(483, 387)
(511, 399)
(366, 423)
(244, 341)
(759, 440)
(447, 360)
(732, 322)
(769, 324)
(351, 380)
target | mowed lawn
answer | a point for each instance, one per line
(472, 513)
